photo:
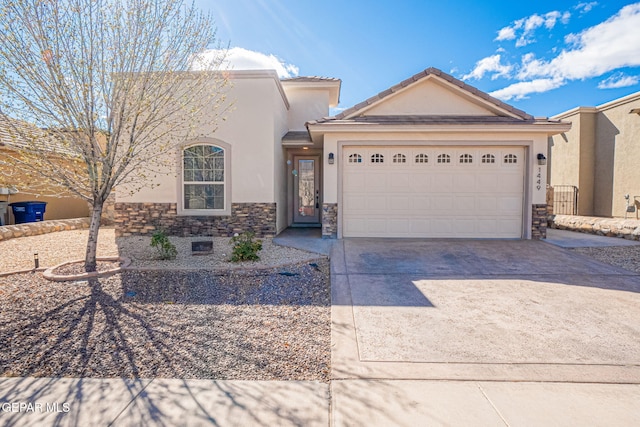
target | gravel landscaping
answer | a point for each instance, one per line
(627, 257)
(261, 325)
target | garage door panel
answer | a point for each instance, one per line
(433, 199)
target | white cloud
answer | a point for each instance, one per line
(610, 45)
(238, 58)
(507, 33)
(527, 27)
(618, 80)
(585, 7)
(522, 89)
(490, 64)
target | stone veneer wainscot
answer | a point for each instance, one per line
(145, 218)
(539, 222)
(329, 220)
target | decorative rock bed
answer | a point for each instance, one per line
(42, 227)
(612, 227)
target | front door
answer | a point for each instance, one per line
(306, 190)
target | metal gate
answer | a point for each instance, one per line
(565, 200)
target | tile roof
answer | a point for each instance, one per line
(346, 114)
(296, 136)
(21, 135)
(433, 119)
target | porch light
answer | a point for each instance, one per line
(542, 160)
(36, 261)
(331, 158)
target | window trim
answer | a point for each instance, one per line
(226, 211)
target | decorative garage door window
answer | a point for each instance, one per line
(466, 158)
(203, 177)
(422, 158)
(488, 158)
(444, 158)
(511, 158)
(399, 158)
(355, 158)
(377, 158)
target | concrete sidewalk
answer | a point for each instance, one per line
(364, 402)
(42, 402)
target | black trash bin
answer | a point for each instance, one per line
(28, 211)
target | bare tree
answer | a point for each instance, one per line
(96, 91)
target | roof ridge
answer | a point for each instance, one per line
(421, 75)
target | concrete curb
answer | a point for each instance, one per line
(50, 275)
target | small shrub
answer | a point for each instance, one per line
(245, 248)
(166, 249)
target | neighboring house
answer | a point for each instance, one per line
(58, 207)
(600, 157)
(429, 157)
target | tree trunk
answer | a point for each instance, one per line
(92, 243)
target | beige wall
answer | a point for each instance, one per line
(306, 104)
(572, 157)
(249, 129)
(280, 164)
(430, 97)
(600, 155)
(63, 207)
(57, 207)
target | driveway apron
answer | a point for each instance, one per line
(496, 310)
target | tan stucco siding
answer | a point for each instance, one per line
(429, 98)
(57, 207)
(248, 130)
(279, 165)
(306, 105)
(572, 158)
(600, 156)
(619, 133)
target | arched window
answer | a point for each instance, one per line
(422, 158)
(377, 158)
(511, 158)
(355, 158)
(466, 158)
(399, 158)
(488, 158)
(203, 177)
(444, 158)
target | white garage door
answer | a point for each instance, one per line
(432, 192)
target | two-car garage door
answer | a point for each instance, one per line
(432, 191)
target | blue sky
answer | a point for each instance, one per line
(544, 57)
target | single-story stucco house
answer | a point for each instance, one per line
(598, 160)
(428, 157)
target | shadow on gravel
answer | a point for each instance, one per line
(293, 285)
(268, 326)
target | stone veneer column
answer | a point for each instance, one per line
(145, 218)
(539, 222)
(329, 220)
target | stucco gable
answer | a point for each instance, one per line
(431, 93)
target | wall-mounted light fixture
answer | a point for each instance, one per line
(331, 158)
(542, 160)
(635, 111)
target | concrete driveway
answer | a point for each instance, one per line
(420, 326)
(482, 309)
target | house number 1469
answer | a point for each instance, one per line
(539, 179)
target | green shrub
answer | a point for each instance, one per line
(166, 249)
(245, 248)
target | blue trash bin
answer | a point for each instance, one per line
(28, 211)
